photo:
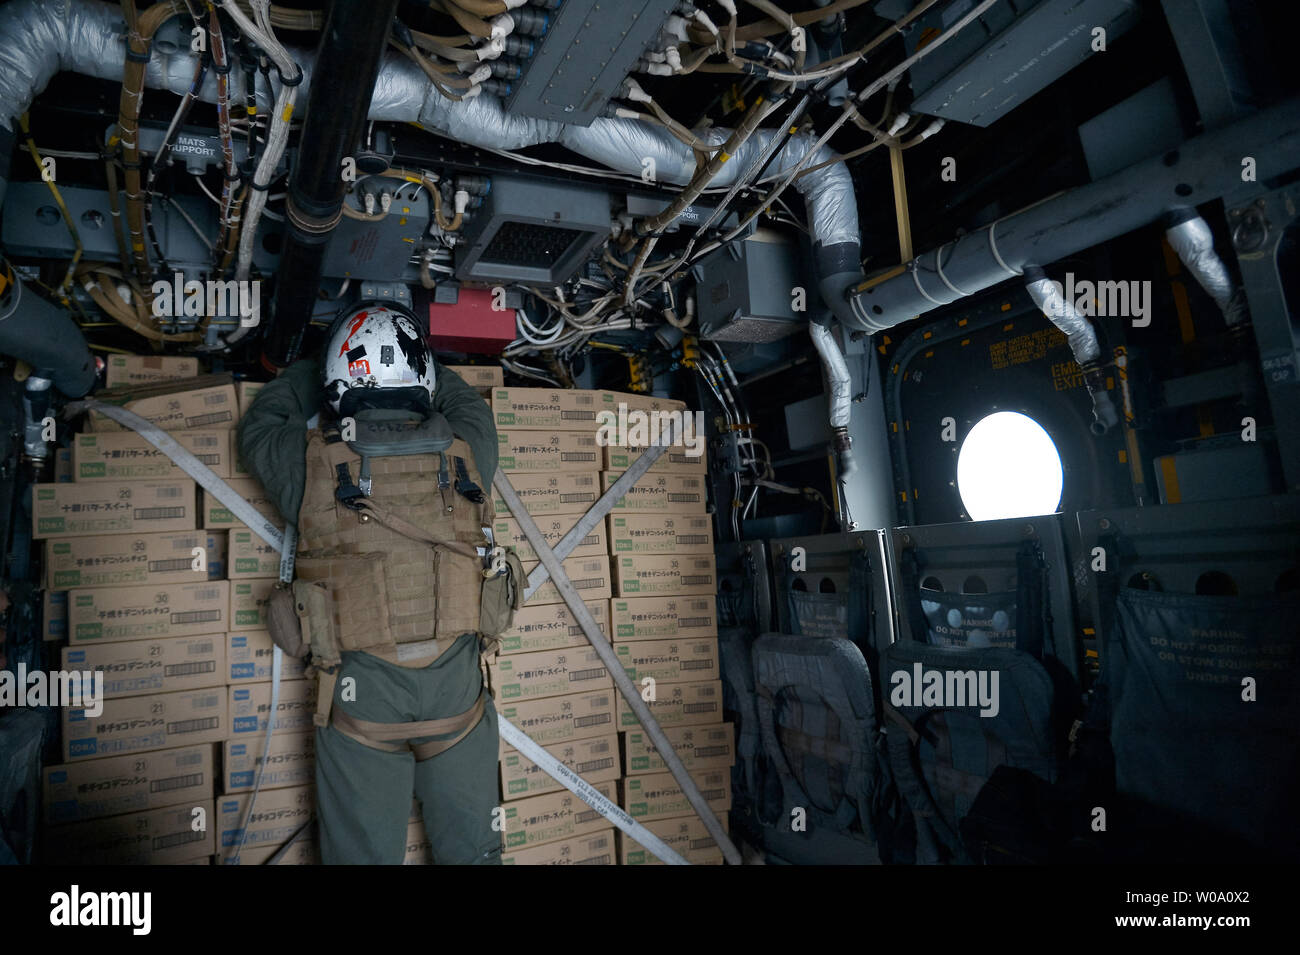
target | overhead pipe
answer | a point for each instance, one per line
(1192, 240)
(45, 336)
(1200, 170)
(352, 43)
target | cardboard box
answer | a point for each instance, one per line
(106, 614)
(249, 657)
(656, 574)
(292, 762)
(135, 783)
(660, 492)
(681, 660)
(660, 533)
(676, 459)
(550, 409)
(595, 849)
(126, 559)
(521, 450)
(251, 557)
(206, 402)
(125, 456)
(164, 836)
(250, 705)
(245, 392)
(686, 835)
(560, 719)
(634, 401)
(527, 676)
(419, 850)
(54, 615)
(135, 667)
(698, 747)
(62, 465)
(594, 759)
(277, 815)
(138, 724)
(544, 493)
(480, 377)
(113, 507)
(304, 851)
(248, 599)
(143, 369)
(658, 796)
(678, 704)
(550, 627)
(214, 515)
(658, 618)
(589, 576)
(507, 532)
(551, 817)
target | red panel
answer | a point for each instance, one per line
(471, 325)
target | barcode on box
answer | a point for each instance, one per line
(697, 664)
(192, 726)
(176, 782)
(683, 498)
(600, 747)
(576, 676)
(584, 481)
(708, 752)
(698, 707)
(207, 593)
(578, 415)
(189, 669)
(706, 691)
(197, 648)
(169, 491)
(177, 839)
(205, 441)
(692, 538)
(587, 440)
(200, 420)
(174, 563)
(690, 622)
(696, 579)
(712, 794)
(605, 859)
(582, 498)
(595, 765)
(586, 457)
(208, 458)
(705, 843)
(690, 482)
(587, 816)
(184, 543)
(217, 399)
(591, 539)
(586, 583)
(197, 616)
(158, 513)
(582, 722)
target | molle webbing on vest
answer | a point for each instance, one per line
(401, 565)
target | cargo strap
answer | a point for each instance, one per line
(397, 737)
(267, 530)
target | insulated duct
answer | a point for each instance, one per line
(838, 392)
(1082, 337)
(45, 336)
(1200, 170)
(1190, 237)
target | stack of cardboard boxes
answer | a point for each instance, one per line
(160, 587)
(162, 591)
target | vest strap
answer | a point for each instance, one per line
(407, 529)
(397, 737)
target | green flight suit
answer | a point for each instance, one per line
(364, 794)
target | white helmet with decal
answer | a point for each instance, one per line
(377, 357)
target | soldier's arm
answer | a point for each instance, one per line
(272, 436)
(469, 416)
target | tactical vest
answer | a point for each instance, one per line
(402, 599)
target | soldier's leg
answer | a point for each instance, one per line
(459, 787)
(363, 795)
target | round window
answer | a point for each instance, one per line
(1008, 466)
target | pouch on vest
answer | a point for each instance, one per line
(282, 621)
(502, 596)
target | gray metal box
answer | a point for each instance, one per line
(584, 57)
(746, 291)
(531, 232)
(1004, 57)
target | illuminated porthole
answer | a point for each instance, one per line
(1008, 466)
